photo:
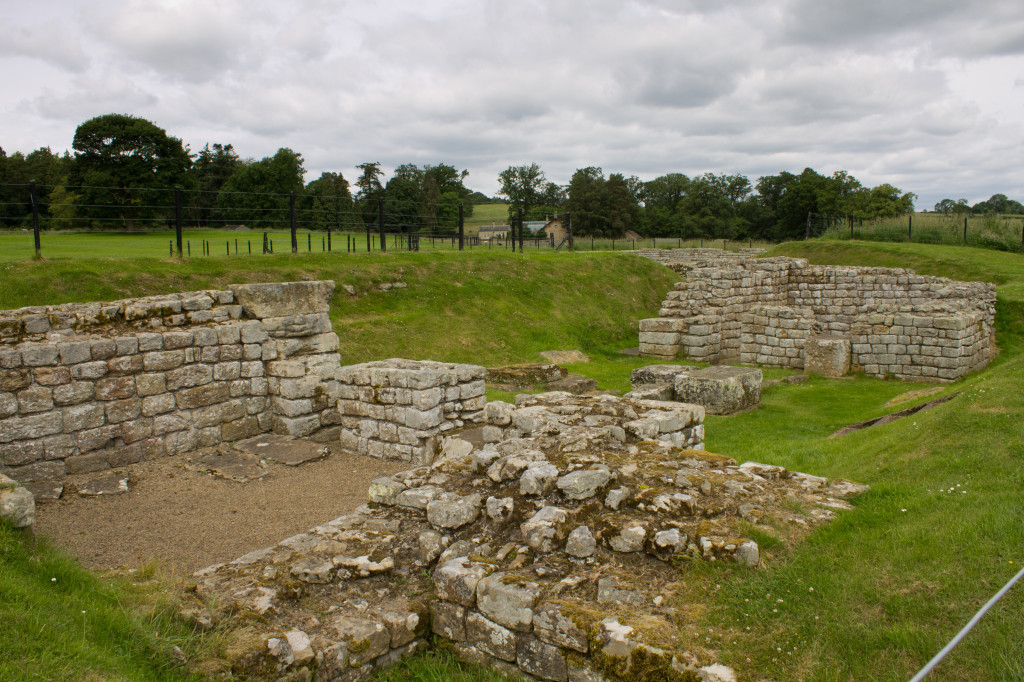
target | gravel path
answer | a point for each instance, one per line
(187, 520)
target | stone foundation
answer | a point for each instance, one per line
(732, 308)
(550, 550)
(86, 387)
(397, 409)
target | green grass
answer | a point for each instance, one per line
(60, 622)
(485, 214)
(894, 579)
(890, 587)
(1002, 232)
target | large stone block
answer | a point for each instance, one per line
(827, 355)
(284, 298)
(658, 374)
(17, 504)
(720, 389)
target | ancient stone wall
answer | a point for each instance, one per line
(762, 311)
(85, 387)
(548, 547)
(397, 409)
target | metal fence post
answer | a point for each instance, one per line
(568, 228)
(291, 219)
(35, 219)
(910, 227)
(380, 220)
(519, 217)
(965, 230)
(808, 235)
(462, 233)
(177, 218)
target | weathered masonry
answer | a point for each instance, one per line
(89, 386)
(783, 312)
(543, 546)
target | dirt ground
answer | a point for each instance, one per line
(186, 520)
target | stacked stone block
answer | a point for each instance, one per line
(397, 409)
(774, 336)
(85, 387)
(762, 311)
(936, 346)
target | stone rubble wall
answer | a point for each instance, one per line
(761, 310)
(398, 409)
(548, 548)
(90, 386)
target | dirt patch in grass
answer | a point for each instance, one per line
(187, 520)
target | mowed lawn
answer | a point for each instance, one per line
(871, 596)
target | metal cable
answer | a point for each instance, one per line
(967, 628)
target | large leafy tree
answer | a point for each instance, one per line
(330, 203)
(212, 168)
(126, 166)
(523, 187)
(48, 170)
(403, 192)
(258, 194)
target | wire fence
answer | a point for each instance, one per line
(999, 232)
(90, 221)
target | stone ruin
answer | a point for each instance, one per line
(719, 389)
(783, 312)
(544, 541)
(542, 538)
(85, 387)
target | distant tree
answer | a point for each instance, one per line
(258, 193)
(621, 209)
(522, 186)
(370, 191)
(118, 158)
(554, 195)
(403, 194)
(587, 202)
(211, 169)
(330, 203)
(945, 206)
(889, 202)
(999, 203)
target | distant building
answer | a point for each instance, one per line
(487, 232)
(555, 230)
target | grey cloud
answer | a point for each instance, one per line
(192, 41)
(49, 42)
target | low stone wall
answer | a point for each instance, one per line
(397, 409)
(732, 308)
(549, 549)
(85, 387)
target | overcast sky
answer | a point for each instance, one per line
(925, 94)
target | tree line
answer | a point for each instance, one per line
(774, 208)
(125, 170)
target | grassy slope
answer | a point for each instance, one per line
(890, 586)
(894, 579)
(59, 622)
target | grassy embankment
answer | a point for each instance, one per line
(892, 579)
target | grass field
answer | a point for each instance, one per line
(226, 244)
(871, 596)
(1002, 232)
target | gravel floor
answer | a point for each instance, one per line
(187, 520)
